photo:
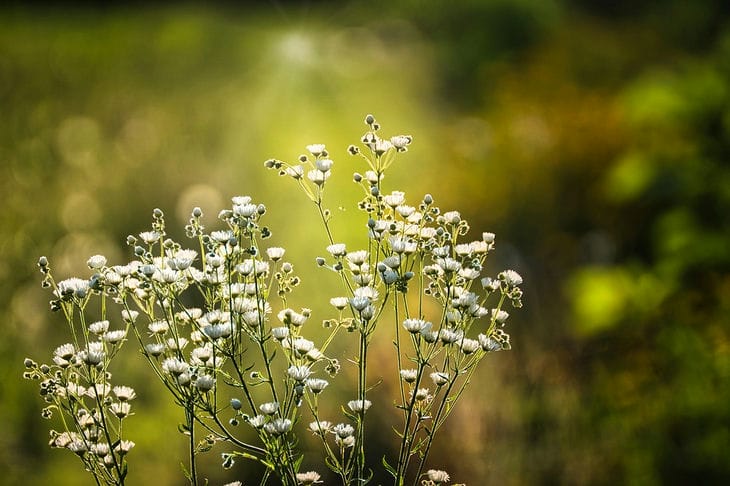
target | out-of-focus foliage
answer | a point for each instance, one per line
(592, 137)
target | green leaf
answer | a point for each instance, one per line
(332, 464)
(389, 468)
(185, 472)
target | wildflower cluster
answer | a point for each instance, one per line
(241, 355)
(77, 383)
(412, 253)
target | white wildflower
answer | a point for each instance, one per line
(149, 237)
(357, 257)
(343, 430)
(395, 198)
(299, 373)
(204, 383)
(321, 427)
(316, 149)
(120, 409)
(401, 142)
(317, 176)
(488, 343)
(452, 217)
(359, 406)
(72, 286)
(129, 315)
(158, 327)
(175, 366)
(96, 262)
(65, 351)
(337, 249)
(316, 385)
(423, 394)
(307, 478)
(154, 349)
(257, 422)
(511, 278)
(297, 171)
(438, 476)
(278, 426)
(324, 165)
(124, 393)
(439, 378)
(415, 326)
(409, 376)
(500, 316)
(114, 337)
(275, 253)
(280, 333)
(339, 302)
(247, 210)
(269, 408)
(468, 346)
(124, 446)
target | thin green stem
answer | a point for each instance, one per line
(361, 387)
(190, 423)
(432, 432)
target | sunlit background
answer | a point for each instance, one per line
(592, 137)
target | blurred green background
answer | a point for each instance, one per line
(592, 136)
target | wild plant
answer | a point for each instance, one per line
(215, 325)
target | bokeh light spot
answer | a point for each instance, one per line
(204, 196)
(78, 141)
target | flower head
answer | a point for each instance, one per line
(120, 409)
(257, 422)
(409, 376)
(357, 257)
(337, 249)
(65, 351)
(299, 373)
(317, 176)
(359, 406)
(395, 198)
(440, 378)
(114, 337)
(324, 165)
(280, 333)
(124, 447)
(316, 385)
(438, 476)
(204, 383)
(468, 346)
(316, 149)
(275, 253)
(339, 303)
(320, 427)
(154, 349)
(415, 326)
(96, 262)
(73, 286)
(278, 426)
(269, 408)
(343, 430)
(309, 477)
(175, 366)
(511, 278)
(124, 393)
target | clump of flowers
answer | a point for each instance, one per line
(77, 383)
(243, 356)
